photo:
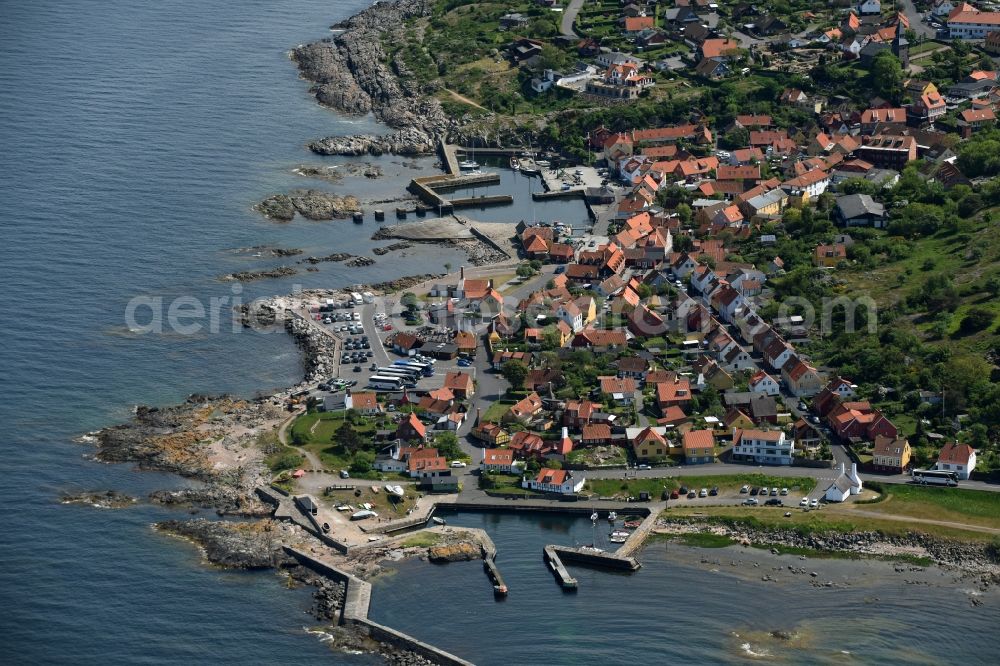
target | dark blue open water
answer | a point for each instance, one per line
(135, 138)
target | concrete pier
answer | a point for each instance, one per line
(495, 200)
(499, 587)
(638, 537)
(594, 557)
(559, 570)
(572, 193)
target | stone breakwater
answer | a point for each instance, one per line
(977, 558)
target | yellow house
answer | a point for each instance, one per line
(891, 454)
(735, 418)
(649, 444)
(588, 309)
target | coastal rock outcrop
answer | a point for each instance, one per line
(250, 276)
(353, 74)
(196, 438)
(462, 551)
(225, 501)
(310, 204)
(406, 141)
(238, 545)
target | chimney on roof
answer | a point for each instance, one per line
(461, 272)
(478, 415)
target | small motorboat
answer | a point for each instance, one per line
(363, 515)
(375, 489)
(543, 163)
(515, 164)
(438, 521)
(632, 524)
(395, 490)
(468, 165)
(344, 507)
(612, 517)
(593, 517)
(618, 536)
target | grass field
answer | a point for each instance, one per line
(613, 487)
(382, 505)
(422, 540)
(957, 505)
(825, 521)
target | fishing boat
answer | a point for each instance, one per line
(438, 521)
(632, 524)
(618, 536)
(612, 517)
(363, 514)
(530, 169)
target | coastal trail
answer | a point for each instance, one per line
(851, 511)
(311, 458)
(465, 100)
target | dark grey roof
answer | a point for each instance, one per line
(859, 205)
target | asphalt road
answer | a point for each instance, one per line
(914, 17)
(569, 17)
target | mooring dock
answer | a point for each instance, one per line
(559, 570)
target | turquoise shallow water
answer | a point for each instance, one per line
(136, 137)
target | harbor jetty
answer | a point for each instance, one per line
(551, 557)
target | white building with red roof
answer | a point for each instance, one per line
(955, 457)
(554, 481)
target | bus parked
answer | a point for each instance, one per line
(937, 477)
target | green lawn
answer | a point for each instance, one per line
(959, 505)
(612, 487)
(828, 520)
(496, 411)
(314, 432)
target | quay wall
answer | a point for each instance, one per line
(357, 603)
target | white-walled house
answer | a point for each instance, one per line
(554, 481)
(764, 383)
(845, 485)
(764, 447)
(955, 457)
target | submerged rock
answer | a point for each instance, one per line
(250, 276)
(107, 499)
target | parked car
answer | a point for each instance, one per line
(457, 464)
(674, 494)
(750, 501)
(714, 491)
(774, 491)
(357, 368)
(344, 474)
(784, 491)
(774, 502)
(744, 490)
(754, 490)
(463, 363)
(813, 503)
(684, 490)
(703, 492)
(804, 501)
(560, 269)
(644, 466)
(692, 495)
